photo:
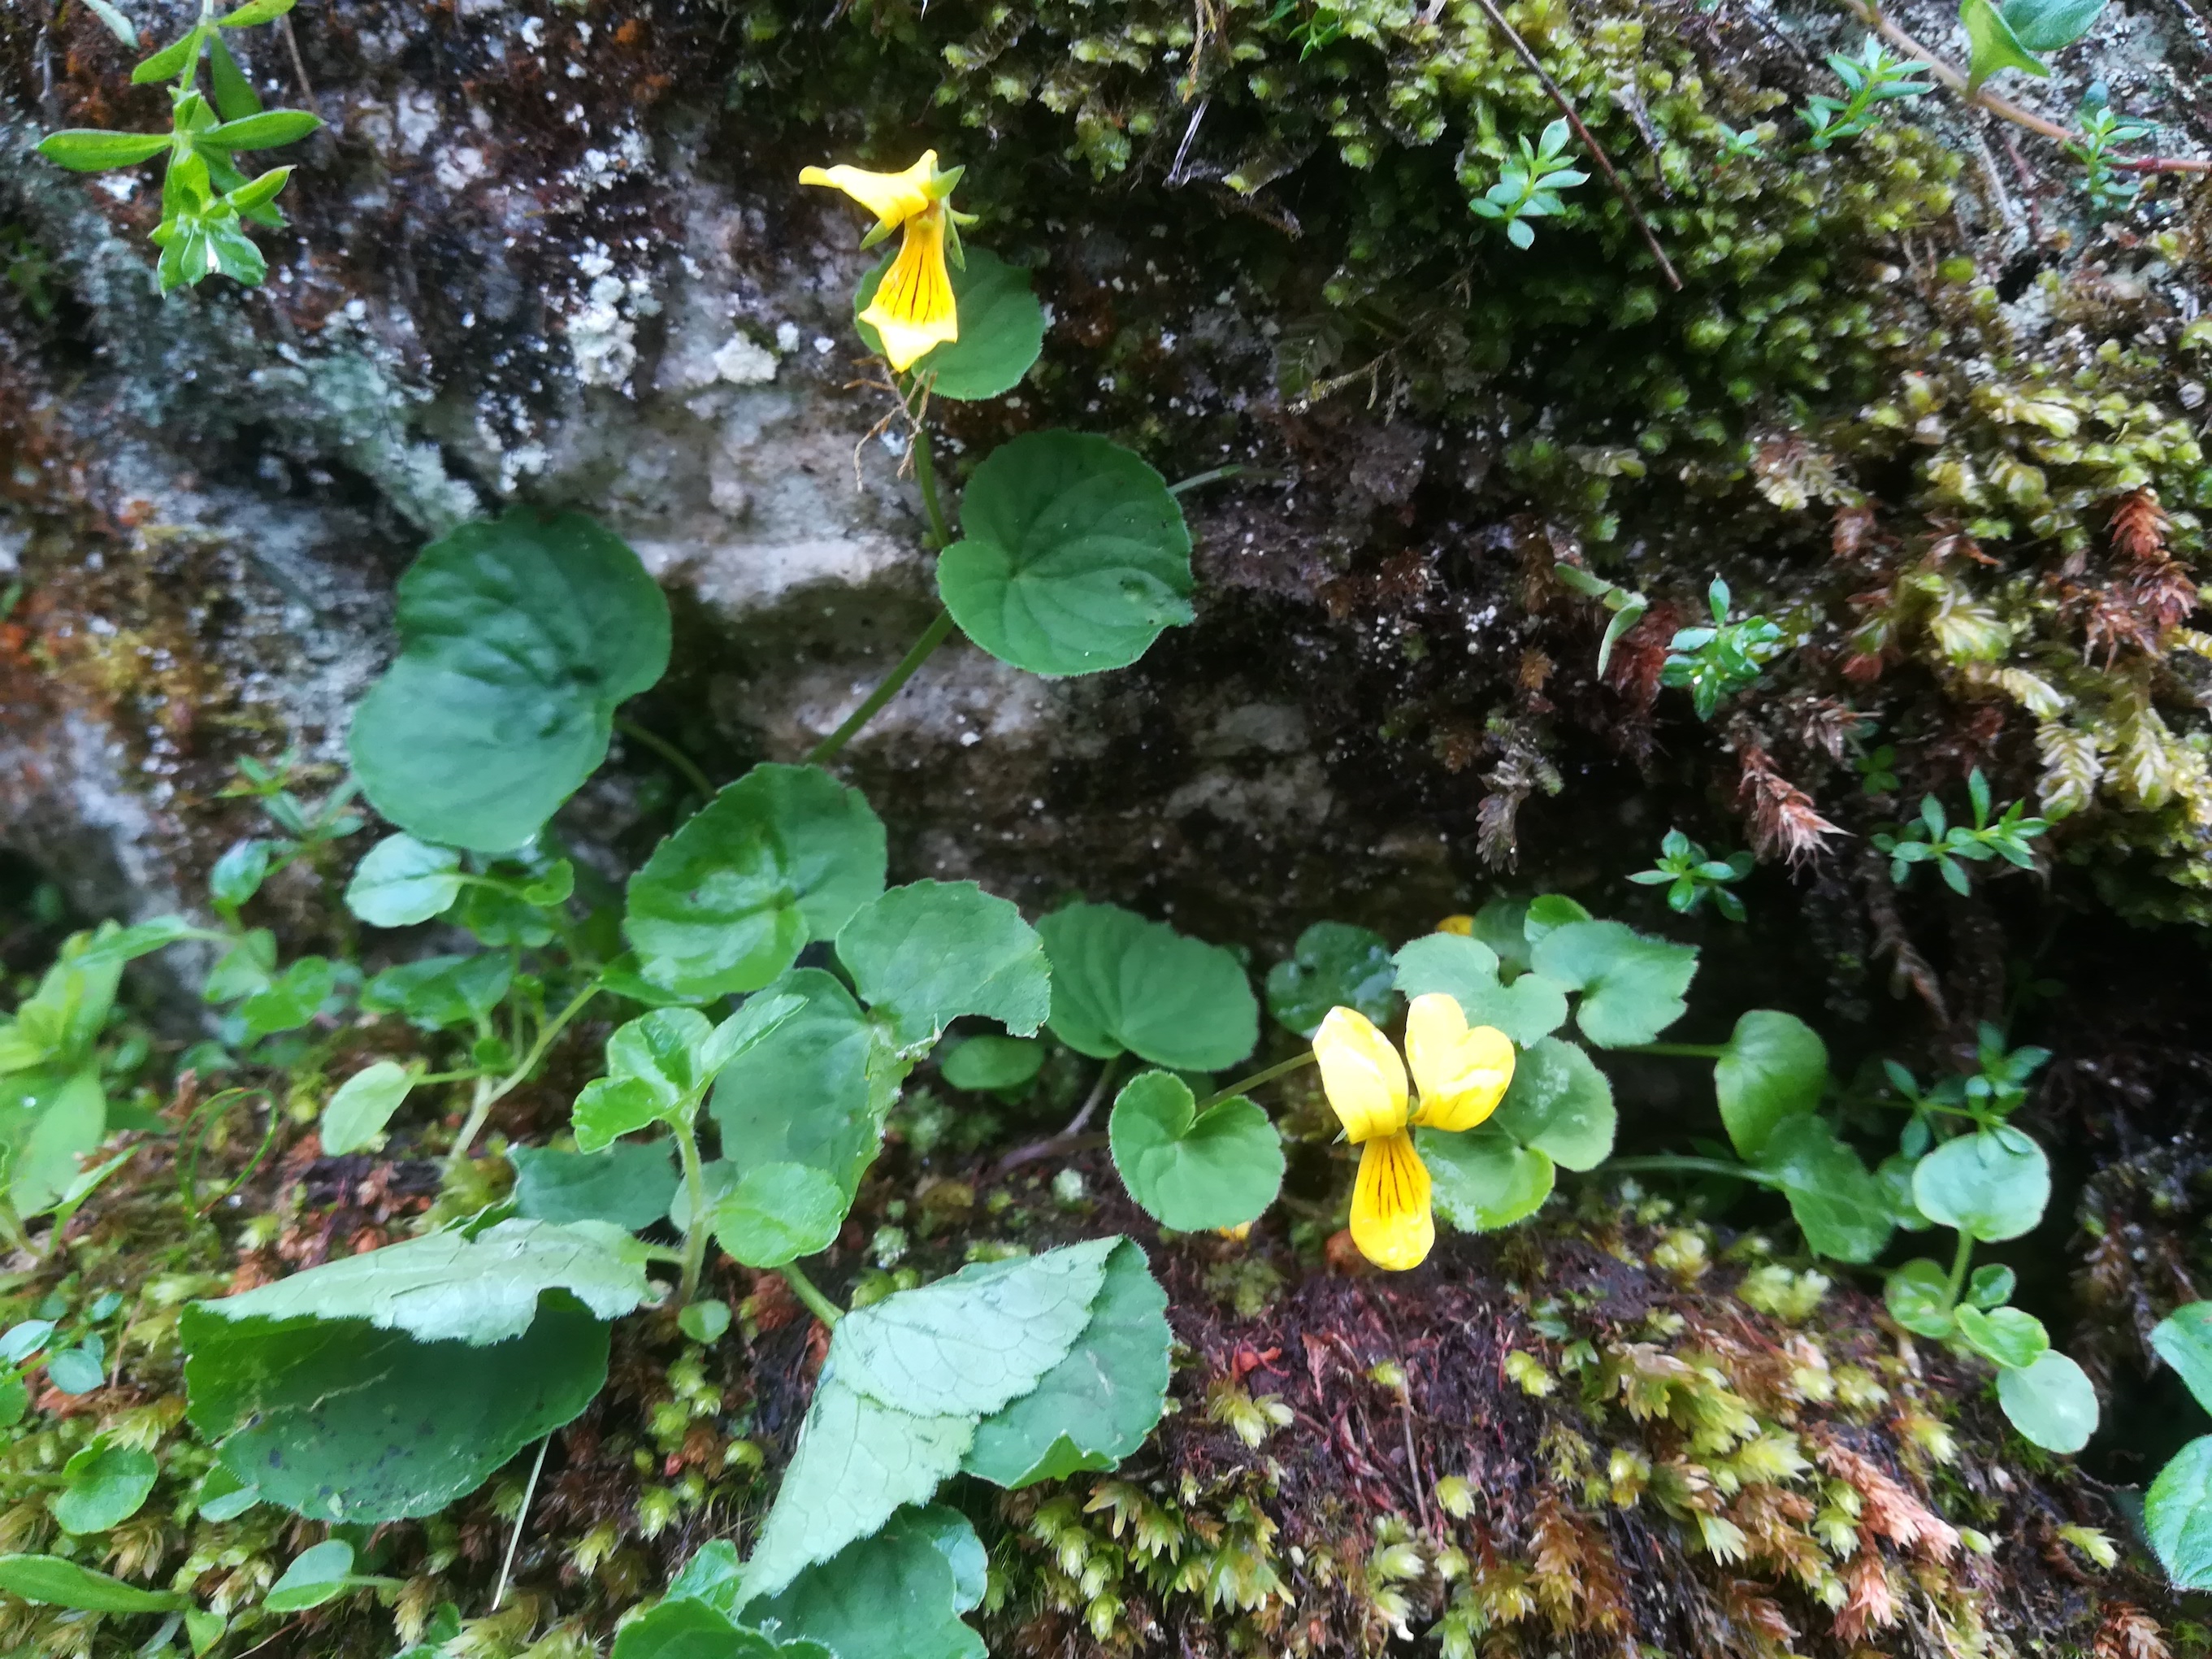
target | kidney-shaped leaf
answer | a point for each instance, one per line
(1484, 1179)
(926, 953)
(1561, 1104)
(1774, 1066)
(1994, 1183)
(1632, 984)
(2052, 1401)
(1001, 329)
(1073, 557)
(1191, 1170)
(1121, 982)
(518, 640)
(785, 854)
(779, 1212)
(447, 1287)
(1467, 970)
(1333, 965)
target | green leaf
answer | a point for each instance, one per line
(988, 1063)
(223, 1497)
(1096, 1406)
(815, 1091)
(267, 130)
(1991, 46)
(439, 993)
(2048, 26)
(105, 1484)
(706, 1321)
(1189, 1171)
(341, 1422)
(255, 11)
(1467, 970)
(1839, 1204)
(779, 1212)
(239, 874)
(904, 1383)
(52, 1581)
(1631, 985)
(244, 969)
(1332, 965)
(629, 1185)
(234, 97)
(1994, 1184)
(2177, 1517)
(1541, 917)
(447, 1286)
(1774, 1066)
(1122, 983)
(518, 640)
(2051, 1402)
(784, 855)
(403, 881)
(364, 1104)
(290, 1000)
(1484, 1179)
(2005, 1335)
(898, 1594)
(2184, 1340)
(1919, 1296)
(70, 1121)
(1893, 1174)
(1561, 1104)
(682, 1628)
(318, 1574)
(1072, 558)
(87, 149)
(1991, 1286)
(926, 953)
(1001, 329)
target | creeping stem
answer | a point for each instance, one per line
(935, 634)
(1716, 1166)
(490, 1094)
(817, 1304)
(696, 1234)
(1676, 1050)
(669, 752)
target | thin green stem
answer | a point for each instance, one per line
(1676, 1050)
(1213, 475)
(1672, 1165)
(669, 752)
(939, 631)
(697, 1230)
(924, 474)
(521, 1517)
(817, 1304)
(1959, 1260)
(1246, 1085)
(489, 1098)
(11, 1225)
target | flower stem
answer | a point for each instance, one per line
(1958, 1280)
(935, 634)
(1245, 1084)
(669, 752)
(488, 1096)
(1668, 1165)
(696, 1233)
(924, 474)
(1212, 476)
(1676, 1050)
(817, 1304)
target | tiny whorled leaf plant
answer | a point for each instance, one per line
(1874, 78)
(206, 200)
(1716, 663)
(1689, 878)
(1529, 184)
(1932, 838)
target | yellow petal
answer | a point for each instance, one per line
(893, 198)
(1362, 1075)
(1463, 926)
(1461, 1072)
(913, 311)
(1390, 1219)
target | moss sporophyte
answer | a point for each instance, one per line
(1461, 1072)
(913, 311)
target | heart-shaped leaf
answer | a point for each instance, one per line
(439, 993)
(925, 954)
(1484, 1179)
(1919, 1296)
(320, 1573)
(104, 1486)
(629, 1184)
(1467, 970)
(815, 1091)
(518, 640)
(1560, 1105)
(1001, 329)
(779, 1212)
(2007, 1336)
(1122, 983)
(989, 1063)
(785, 854)
(1072, 557)
(2177, 1517)
(1632, 984)
(1839, 1206)
(1335, 965)
(1192, 1170)
(2050, 25)
(2184, 1340)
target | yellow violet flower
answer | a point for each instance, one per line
(1461, 1072)
(913, 312)
(1463, 925)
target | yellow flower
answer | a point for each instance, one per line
(1463, 926)
(913, 312)
(1462, 1073)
